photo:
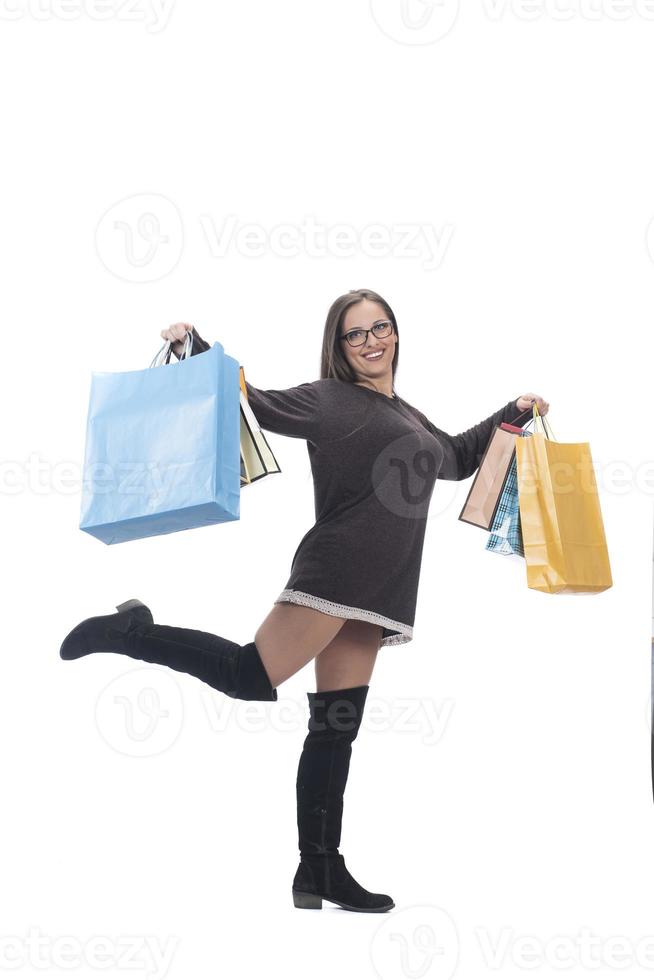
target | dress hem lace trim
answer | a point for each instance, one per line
(404, 634)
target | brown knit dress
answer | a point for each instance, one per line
(375, 460)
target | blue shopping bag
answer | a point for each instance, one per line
(505, 535)
(162, 449)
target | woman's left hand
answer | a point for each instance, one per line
(526, 401)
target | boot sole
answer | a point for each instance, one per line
(75, 644)
(306, 900)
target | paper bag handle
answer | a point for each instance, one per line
(163, 354)
(536, 415)
(547, 428)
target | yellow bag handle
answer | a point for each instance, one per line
(538, 417)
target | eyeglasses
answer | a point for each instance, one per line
(356, 338)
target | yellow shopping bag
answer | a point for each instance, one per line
(562, 527)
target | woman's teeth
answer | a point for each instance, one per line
(373, 357)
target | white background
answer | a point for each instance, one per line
(500, 785)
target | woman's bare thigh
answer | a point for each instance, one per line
(290, 636)
(349, 658)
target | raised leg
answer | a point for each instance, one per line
(287, 639)
(291, 635)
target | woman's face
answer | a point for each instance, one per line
(363, 315)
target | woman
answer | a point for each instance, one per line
(354, 576)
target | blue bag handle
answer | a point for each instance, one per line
(163, 354)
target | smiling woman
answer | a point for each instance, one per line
(354, 577)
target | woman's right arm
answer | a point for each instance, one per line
(294, 412)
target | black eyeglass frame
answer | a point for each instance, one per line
(346, 336)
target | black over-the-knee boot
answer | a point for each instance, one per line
(235, 670)
(334, 721)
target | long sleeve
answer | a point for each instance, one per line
(463, 452)
(288, 411)
(291, 412)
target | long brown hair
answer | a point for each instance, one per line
(333, 363)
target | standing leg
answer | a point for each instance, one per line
(348, 660)
(334, 719)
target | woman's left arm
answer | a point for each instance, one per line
(463, 452)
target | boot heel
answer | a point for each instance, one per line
(130, 604)
(304, 900)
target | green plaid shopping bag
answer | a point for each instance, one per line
(505, 535)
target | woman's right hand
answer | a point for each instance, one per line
(177, 334)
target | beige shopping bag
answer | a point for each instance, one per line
(484, 494)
